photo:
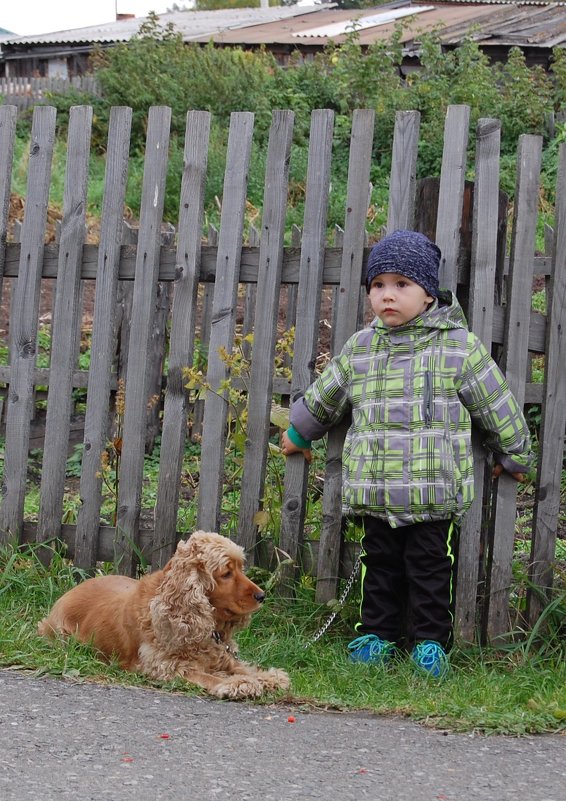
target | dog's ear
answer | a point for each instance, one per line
(182, 601)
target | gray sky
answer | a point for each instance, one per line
(25, 17)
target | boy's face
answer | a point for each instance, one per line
(396, 299)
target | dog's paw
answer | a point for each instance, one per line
(239, 687)
(274, 679)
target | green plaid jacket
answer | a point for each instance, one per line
(413, 391)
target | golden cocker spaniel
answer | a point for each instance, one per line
(178, 621)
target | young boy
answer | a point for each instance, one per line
(414, 380)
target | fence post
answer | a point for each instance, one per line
(191, 205)
(223, 315)
(451, 193)
(346, 320)
(145, 288)
(24, 324)
(204, 331)
(103, 341)
(553, 421)
(8, 117)
(402, 180)
(250, 298)
(515, 367)
(266, 319)
(480, 318)
(306, 332)
(157, 349)
(65, 326)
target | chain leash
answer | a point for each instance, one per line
(341, 601)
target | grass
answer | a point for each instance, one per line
(521, 690)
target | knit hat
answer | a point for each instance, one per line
(408, 253)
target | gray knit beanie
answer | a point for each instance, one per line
(408, 253)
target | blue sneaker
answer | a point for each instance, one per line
(371, 649)
(431, 659)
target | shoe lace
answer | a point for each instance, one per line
(359, 642)
(430, 653)
(376, 644)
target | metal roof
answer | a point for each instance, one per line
(365, 21)
(309, 29)
(524, 24)
(191, 24)
(529, 23)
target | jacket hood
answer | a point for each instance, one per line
(444, 314)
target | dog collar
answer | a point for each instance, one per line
(218, 638)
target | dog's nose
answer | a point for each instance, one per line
(260, 597)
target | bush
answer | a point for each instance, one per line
(343, 77)
(183, 77)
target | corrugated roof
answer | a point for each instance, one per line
(529, 23)
(495, 23)
(365, 21)
(191, 24)
(291, 31)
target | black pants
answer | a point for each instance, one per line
(407, 581)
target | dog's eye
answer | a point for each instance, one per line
(226, 575)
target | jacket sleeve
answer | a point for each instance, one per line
(325, 401)
(492, 406)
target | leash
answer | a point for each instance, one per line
(219, 640)
(341, 601)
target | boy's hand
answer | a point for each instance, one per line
(498, 469)
(288, 447)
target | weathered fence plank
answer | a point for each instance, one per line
(514, 365)
(103, 344)
(145, 289)
(204, 333)
(124, 302)
(224, 316)
(553, 417)
(250, 300)
(307, 329)
(265, 328)
(249, 261)
(402, 181)
(292, 290)
(24, 324)
(183, 320)
(346, 322)
(480, 319)
(66, 324)
(451, 193)
(8, 117)
(158, 348)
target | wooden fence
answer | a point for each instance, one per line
(26, 92)
(469, 226)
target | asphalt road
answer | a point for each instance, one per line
(62, 740)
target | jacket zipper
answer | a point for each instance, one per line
(428, 398)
